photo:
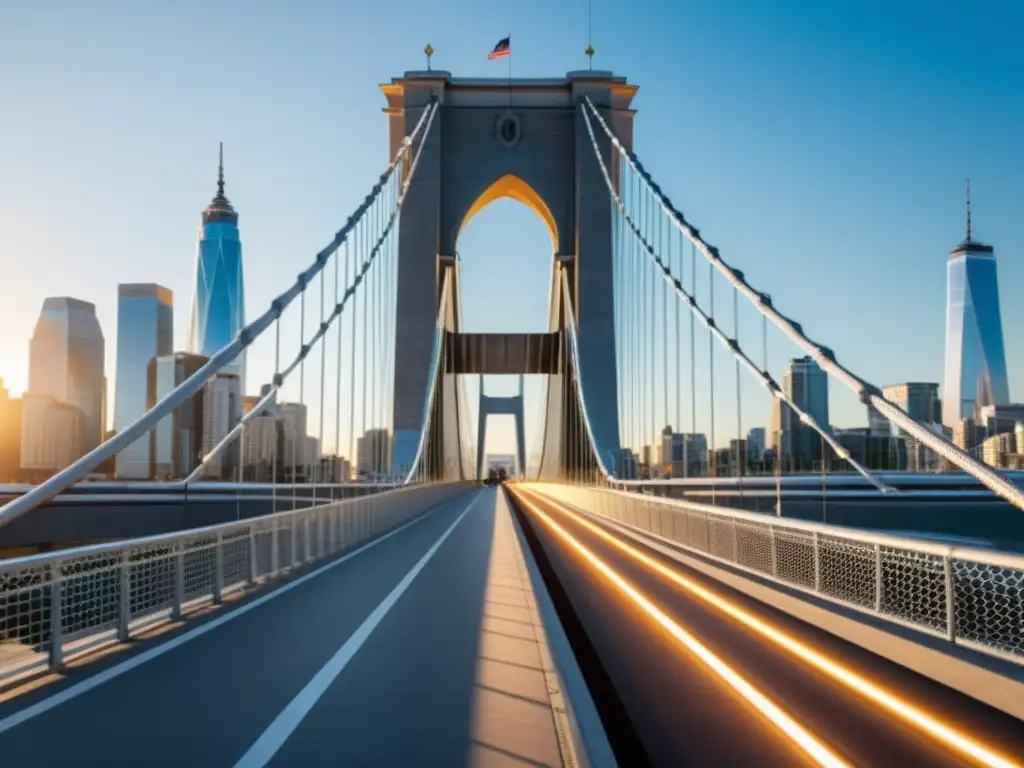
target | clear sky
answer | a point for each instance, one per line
(821, 146)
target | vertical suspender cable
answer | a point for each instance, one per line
(651, 342)
(277, 372)
(824, 483)
(693, 355)
(713, 462)
(381, 344)
(352, 355)
(338, 476)
(323, 379)
(365, 349)
(666, 460)
(741, 445)
(371, 332)
(686, 439)
(296, 431)
(677, 346)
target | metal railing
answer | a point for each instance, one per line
(65, 603)
(971, 597)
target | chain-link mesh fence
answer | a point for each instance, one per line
(971, 597)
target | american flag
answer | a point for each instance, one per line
(503, 48)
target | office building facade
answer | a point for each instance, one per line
(755, 444)
(145, 330)
(920, 400)
(66, 362)
(176, 442)
(52, 436)
(293, 418)
(798, 445)
(373, 450)
(10, 436)
(999, 419)
(975, 372)
(222, 410)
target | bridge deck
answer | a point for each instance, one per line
(682, 713)
(424, 649)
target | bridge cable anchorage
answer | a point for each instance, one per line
(988, 476)
(390, 187)
(707, 319)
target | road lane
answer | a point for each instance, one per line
(205, 702)
(281, 729)
(680, 717)
(452, 675)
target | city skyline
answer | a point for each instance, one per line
(913, 203)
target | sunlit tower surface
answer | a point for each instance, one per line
(218, 298)
(975, 355)
(218, 314)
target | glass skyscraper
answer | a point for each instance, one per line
(919, 399)
(176, 442)
(66, 362)
(806, 384)
(975, 355)
(145, 329)
(218, 301)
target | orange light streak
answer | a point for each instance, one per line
(797, 733)
(898, 706)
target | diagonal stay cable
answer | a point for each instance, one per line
(307, 347)
(708, 322)
(868, 393)
(226, 355)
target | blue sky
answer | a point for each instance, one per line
(821, 146)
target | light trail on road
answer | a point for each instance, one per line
(905, 710)
(799, 735)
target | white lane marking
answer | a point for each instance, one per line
(137, 661)
(277, 733)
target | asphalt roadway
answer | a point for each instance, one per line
(681, 713)
(369, 660)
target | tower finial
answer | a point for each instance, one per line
(220, 171)
(968, 209)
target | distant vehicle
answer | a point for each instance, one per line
(496, 476)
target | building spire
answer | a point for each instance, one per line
(220, 171)
(220, 208)
(970, 245)
(968, 209)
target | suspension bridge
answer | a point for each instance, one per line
(586, 614)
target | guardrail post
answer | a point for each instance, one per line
(735, 543)
(218, 569)
(332, 518)
(56, 618)
(321, 534)
(254, 565)
(295, 542)
(947, 564)
(817, 564)
(124, 613)
(275, 548)
(307, 545)
(775, 563)
(878, 578)
(179, 579)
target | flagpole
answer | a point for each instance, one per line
(510, 70)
